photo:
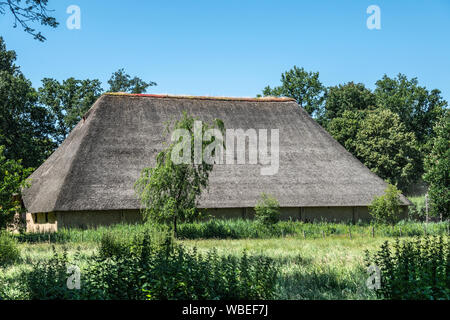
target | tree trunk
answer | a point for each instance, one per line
(175, 226)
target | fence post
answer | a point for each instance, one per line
(304, 234)
(426, 207)
(373, 232)
(400, 231)
(323, 234)
(350, 233)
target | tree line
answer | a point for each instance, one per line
(400, 130)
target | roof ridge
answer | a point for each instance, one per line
(161, 96)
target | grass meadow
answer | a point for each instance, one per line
(316, 260)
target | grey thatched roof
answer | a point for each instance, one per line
(96, 167)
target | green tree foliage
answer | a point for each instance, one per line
(348, 97)
(169, 191)
(267, 210)
(386, 208)
(418, 108)
(345, 128)
(122, 82)
(24, 12)
(9, 249)
(145, 270)
(437, 168)
(12, 179)
(25, 127)
(68, 101)
(385, 146)
(302, 86)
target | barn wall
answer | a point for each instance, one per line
(79, 219)
(304, 214)
(89, 219)
(51, 222)
(41, 222)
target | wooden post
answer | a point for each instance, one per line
(426, 208)
(323, 234)
(350, 233)
(304, 234)
(400, 231)
(373, 232)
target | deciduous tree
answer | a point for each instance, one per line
(122, 82)
(12, 179)
(437, 168)
(169, 191)
(29, 11)
(351, 96)
(385, 146)
(25, 127)
(418, 108)
(68, 101)
(302, 86)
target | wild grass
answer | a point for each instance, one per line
(330, 268)
(317, 260)
(244, 229)
(316, 268)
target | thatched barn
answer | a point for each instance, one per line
(89, 179)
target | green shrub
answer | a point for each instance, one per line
(267, 211)
(386, 208)
(169, 271)
(414, 269)
(47, 280)
(417, 210)
(148, 268)
(9, 251)
(111, 245)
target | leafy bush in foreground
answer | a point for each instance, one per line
(414, 269)
(267, 210)
(146, 269)
(9, 251)
(47, 279)
(170, 271)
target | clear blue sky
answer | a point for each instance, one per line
(235, 48)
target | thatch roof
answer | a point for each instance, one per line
(96, 167)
